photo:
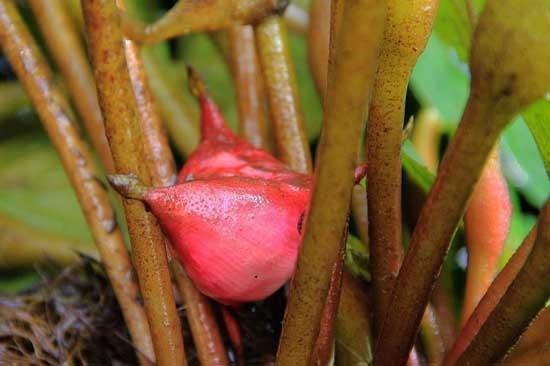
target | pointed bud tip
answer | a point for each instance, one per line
(127, 185)
(196, 85)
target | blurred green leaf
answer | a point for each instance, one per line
(520, 225)
(415, 167)
(440, 79)
(453, 26)
(455, 23)
(537, 118)
(522, 163)
(35, 190)
(309, 99)
(356, 258)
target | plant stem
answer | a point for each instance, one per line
(318, 42)
(62, 39)
(282, 90)
(188, 16)
(37, 79)
(521, 302)
(324, 344)
(405, 36)
(251, 98)
(491, 299)
(161, 165)
(347, 96)
(499, 91)
(124, 134)
(533, 346)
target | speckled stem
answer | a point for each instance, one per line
(63, 41)
(54, 111)
(492, 297)
(161, 165)
(124, 134)
(347, 97)
(202, 16)
(251, 98)
(519, 305)
(282, 91)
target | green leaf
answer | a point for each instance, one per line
(309, 99)
(440, 79)
(520, 225)
(415, 167)
(522, 163)
(356, 258)
(537, 118)
(455, 22)
(35, 190)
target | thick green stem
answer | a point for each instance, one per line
(408, 26)
(251, 98)
(124, 134)
(282, 91)
(347, 97)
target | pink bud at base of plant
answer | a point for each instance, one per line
(235, 217)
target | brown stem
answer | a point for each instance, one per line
(201, 319)
(347, 96)
(521, 302)
(405, 36)
(439, 216)
(324, 345)
(491, 298)
(124, 134)
(318, 42)
(37, 79)
(202, 16)
(251, 98)
(499, 91)
(284, 104)
(533, 348)
(161, 165)
(62, 39)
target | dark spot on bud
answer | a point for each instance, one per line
(301, 222)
